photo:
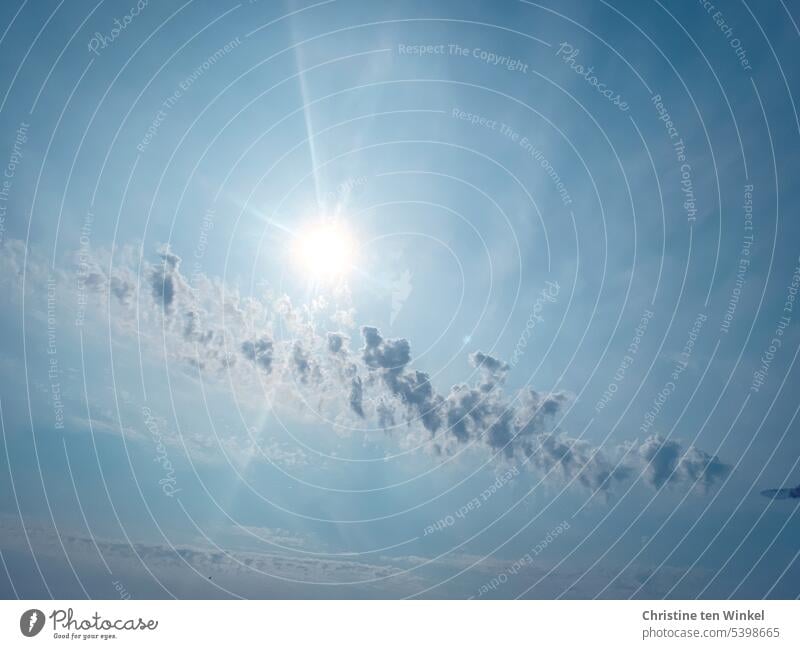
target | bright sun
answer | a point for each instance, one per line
(324, 251)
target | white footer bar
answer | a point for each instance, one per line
(401, 624)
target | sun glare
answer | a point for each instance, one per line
(324, 251)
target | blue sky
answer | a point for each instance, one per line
(424, 299)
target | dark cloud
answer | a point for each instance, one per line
(413, 388)
(122, 289)
(377, 353)
(518, 426)
(301, 362)
(463, 409)
(385, 414)
(484, 412)
(534, 410)
(357, 396)
(782, 494)
(336, 342)
(415, 391)
(500, 432)
(166, 280)
(259, 351)
(574, 459)
(493, 370)
(667, 461)
(467, 413)
(194, 331)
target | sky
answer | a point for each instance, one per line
(347, 299)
